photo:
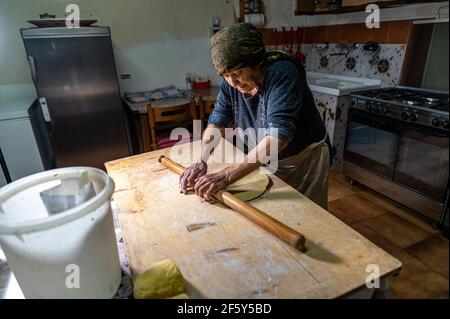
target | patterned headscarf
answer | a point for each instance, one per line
(237, 46)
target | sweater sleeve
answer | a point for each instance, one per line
(222, 115)
(283, 104)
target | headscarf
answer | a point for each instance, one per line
(237, 46)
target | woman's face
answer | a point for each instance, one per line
(245, 80)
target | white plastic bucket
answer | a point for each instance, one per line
(72, 254)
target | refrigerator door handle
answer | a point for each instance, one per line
(33, 68)
(44, 108)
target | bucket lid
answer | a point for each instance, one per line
(19, 227)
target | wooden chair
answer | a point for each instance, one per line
(169, 117)
(206, 107)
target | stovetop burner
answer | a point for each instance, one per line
(413, 105)
(416, 100)
(411, 97)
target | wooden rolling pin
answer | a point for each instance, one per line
(270, 224)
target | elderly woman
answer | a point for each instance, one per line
(263, 90)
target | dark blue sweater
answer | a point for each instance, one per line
(285, 102)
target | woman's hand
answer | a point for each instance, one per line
(207, 185)
(187, 179)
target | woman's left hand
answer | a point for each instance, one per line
(207, 185)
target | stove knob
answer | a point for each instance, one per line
(436, 122)
(414, 117)
(405, 116)
(369, 107)
(386, 111)
(445, 124)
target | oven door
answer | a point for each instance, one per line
(423, 159)
(372, 142)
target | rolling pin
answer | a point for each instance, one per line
(270, 224)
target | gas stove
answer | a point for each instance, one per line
(420, 106)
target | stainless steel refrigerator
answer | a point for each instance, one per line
(76, 81)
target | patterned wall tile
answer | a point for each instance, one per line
(335, 111)
(366, 63)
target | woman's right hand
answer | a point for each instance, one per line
(187, 179)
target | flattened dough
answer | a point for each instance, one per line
(251, 186)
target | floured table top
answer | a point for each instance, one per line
(220, 253)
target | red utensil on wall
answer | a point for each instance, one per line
(276, 35)
(299, 54)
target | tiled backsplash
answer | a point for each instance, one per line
(392, 36)
(386, 67)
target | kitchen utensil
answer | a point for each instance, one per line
(270, 224)
(292, 36)
(298, 54)
(276, 35)
(284, 48)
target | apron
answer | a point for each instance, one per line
(308, 171)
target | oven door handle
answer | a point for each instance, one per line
(424, 130)
(374, 121)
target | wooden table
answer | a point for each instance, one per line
(222, 254)
(139, 111)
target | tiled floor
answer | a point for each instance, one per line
(407, 236)
(404, 234)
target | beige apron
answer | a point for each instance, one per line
(308, 171)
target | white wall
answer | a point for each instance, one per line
(155, 41)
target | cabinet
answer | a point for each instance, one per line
(314, 7)
(17, 140)
(350, 3)
(249, 7)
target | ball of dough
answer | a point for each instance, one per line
(162, 280)
(180, 296)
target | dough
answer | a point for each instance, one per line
(180, 296)
(162, 280)
(251, 186)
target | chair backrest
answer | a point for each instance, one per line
(206, 107)
(179, 113)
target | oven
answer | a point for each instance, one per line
(372, 142)
(402, 160)
(422, 160)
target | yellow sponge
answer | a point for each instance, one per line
(162, 280)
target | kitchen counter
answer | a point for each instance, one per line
(15, 99)
(339, 85)
(332, 98)
(228, 256)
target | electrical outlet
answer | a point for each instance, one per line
(216, 21)
(125, 76)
